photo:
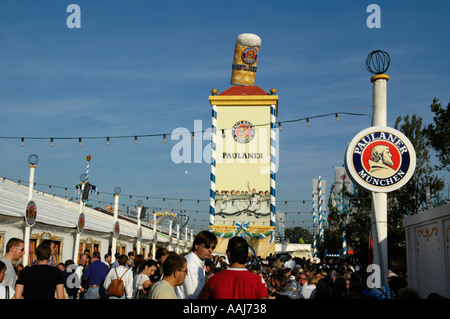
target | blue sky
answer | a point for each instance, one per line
(148, 67)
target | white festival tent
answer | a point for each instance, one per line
(60, 216)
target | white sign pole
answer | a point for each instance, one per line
(178, 235)
(154, 236)
(379, 200)
(28, 228)
(77, 235)
(380, 159)
(170, 234)
(114, 239)
(138, 242)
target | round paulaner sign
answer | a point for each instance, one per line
(243, 131)
(31, 214)
(380, 159)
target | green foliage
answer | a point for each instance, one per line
(411, 198)
(438, 134)
(298, 235)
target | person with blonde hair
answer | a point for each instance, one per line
(309, 288)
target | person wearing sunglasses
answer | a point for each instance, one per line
(204, 244)
(15, 249)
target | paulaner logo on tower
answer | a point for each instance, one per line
(380, 159)
(243, 131)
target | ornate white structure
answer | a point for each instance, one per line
(428, 251)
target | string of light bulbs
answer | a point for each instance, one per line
(131, 196)
(189, 212)
(136, 137)
(195, 220)
(180, 201)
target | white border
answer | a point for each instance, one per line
(354, 174)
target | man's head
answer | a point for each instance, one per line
(84, 259)
(302, 279)
(122, 260)
(279, 280)
(2, 270)
(50, 244)
(43, 251)
(209, 265)
(15, 249)
(96, 256)
(204, 244)
(237, 250)
(175, 269)
(381, 153)
(161, 255)
(319, 275)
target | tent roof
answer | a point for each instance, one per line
(56, 211)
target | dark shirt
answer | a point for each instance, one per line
(40, 281)
(96, 272)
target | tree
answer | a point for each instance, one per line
(438, 134)
(412, 198)
(296, 234)
(354, 218)
(357, 227)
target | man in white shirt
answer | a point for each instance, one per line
(15, 249)
(290, 263)
(204, 244)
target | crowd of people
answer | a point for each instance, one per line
(199, 274)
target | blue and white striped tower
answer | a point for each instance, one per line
(314, 226)
(273, 156)
(212, 189)
(320, 210)
(342, 213)
(88, 159)
(232, 110)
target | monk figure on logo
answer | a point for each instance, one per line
(380, 162)
(242, 133)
